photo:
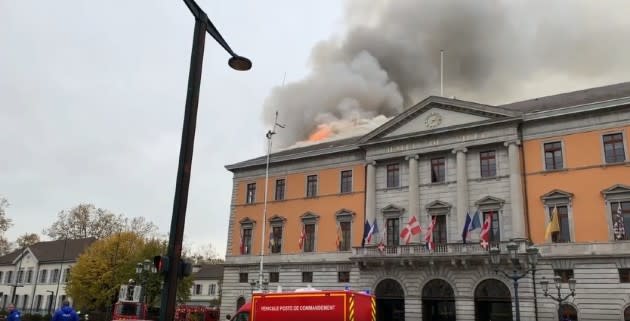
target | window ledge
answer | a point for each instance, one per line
(558, 170)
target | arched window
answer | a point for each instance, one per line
(626, 314)
(390, 301)
(493, 301)
(568, 313)
(240, 302)
(438, 301)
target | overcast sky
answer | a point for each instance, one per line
(92, 98)
(92, 92)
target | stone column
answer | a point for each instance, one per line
(413, 191)
(516, 190)
(370, 192)
(462, 188)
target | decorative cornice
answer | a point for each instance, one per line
(516, 142)
(459, 149)
(415, 156)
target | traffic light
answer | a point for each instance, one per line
(161, 264)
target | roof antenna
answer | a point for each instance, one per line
(442, 73)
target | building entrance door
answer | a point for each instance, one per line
(390, 301)
(493, 301)
(438, 301)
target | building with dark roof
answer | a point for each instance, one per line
(435, 163)
(34, 278)
(206, 288)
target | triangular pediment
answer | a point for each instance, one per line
(617, 189)
(277, 219)
(247, 221)
(489, 200)
(391, 208)
(438, 205)
(556, 194)
(309, 216)
(437, 113)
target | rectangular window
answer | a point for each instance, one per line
(393, 231)
(212, 289)
(553, 155)
(309, 237)
(197, 289)
(251, 193)
(345, 227)
(10, 277)
(311, 185)
(29, 276)
(564, 275)
(438, 170)
(307, 277)
(613, 148)
(488, 161)
(20, 276)
(274, 277)
(38, 302)
(43, 276)
(66, 275)
(625, 214)
(343, 277)
(1, 277)
(24, 302)
(55, 276)
(495, 231)
(247, 241)
(346, 181)
(276, 234)
(280, 183)
(624, 275)
(242, 278)
(564, 235)
(393, 175)
(439, 232)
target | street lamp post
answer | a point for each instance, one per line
(558, 298)
(258, 285)
(518, 270)
(178, 219)
(142, 270)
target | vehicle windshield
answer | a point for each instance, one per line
(243, 316)
(128, 309)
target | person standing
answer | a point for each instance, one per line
(14, 314)
(65, 313)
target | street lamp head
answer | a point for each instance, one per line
(557, 280)
(240, 63)
(513, 251)
(146, 265)
(545, 285)
(495, 256)
(532, 255)
(138, 268)
(572, 283)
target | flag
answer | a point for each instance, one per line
(373, 230)
(619, 227)
(339, 237)
(553, 225)
(476, 221)
(271, 240)
(301, 240)
(466, 230)
(366, 230)
(412, 228)
(484, 235)
(428, 237)
(381, 244)
(242, 246)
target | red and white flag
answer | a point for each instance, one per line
(484, 235)
(301, 240)
(412, 228)
(428, 237)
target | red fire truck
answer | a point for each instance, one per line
(310, 305)
(196, 313)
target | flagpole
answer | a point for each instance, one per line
(264, 222)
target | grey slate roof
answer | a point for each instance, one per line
(573, 98)
(53, 251)
(209, 271)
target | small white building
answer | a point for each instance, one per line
(206, 288)
(34, 278)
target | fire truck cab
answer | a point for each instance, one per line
(129, 306)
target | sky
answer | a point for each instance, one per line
(92, 99)
(92, 93)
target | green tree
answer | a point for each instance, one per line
(5, 224)
(96, 278)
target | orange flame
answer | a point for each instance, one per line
(323, 131)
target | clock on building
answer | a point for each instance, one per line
(433, 120)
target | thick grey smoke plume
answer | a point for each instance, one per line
(388, 58)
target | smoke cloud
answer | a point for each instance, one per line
(388, 58)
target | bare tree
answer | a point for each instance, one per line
(27, 239)
(83, 221)
(5, 224)
(141, 226)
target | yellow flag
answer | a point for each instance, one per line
(339, 237)
(553, 225)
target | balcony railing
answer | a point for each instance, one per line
(421, 250)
